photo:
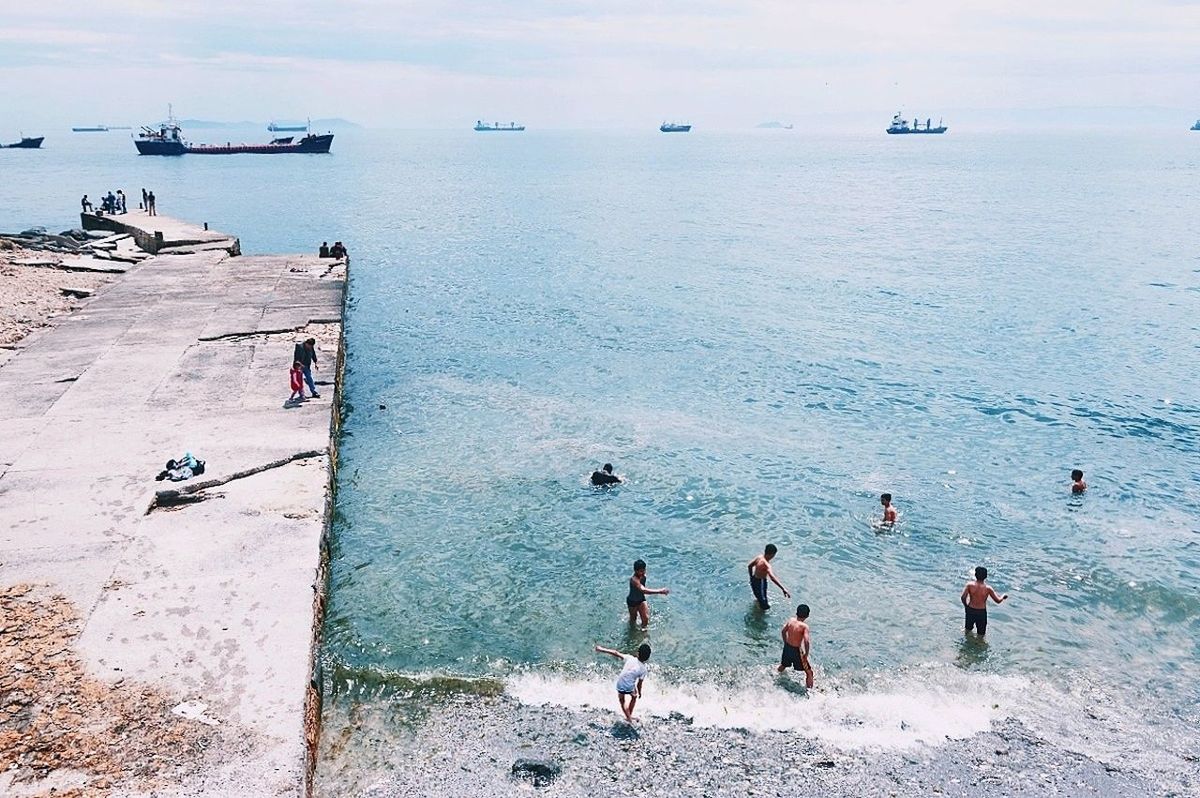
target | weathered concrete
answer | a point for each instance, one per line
(159, 233)
(211, 601)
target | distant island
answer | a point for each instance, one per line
(773, 126)
(335, 123)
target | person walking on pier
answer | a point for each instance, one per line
(306, 355)
(151, 204)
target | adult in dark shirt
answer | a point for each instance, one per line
(338, 250)
(86, 203)
(605, 476)
(145, 200)
(152, 204)
(306, 355)
(323, 252)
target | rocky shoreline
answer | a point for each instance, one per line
(468, 745)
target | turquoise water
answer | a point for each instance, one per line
(762, 331)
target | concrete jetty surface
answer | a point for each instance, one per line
(162, 234)
(203, 609)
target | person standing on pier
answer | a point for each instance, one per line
(86, 204)
(145, 201)
(306, 355)
(121, 201)
(151, 204)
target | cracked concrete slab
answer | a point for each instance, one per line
(210, 601)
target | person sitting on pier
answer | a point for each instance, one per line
(86, 204)
(338, 250)
(323, 252)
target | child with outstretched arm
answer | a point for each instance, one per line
(629, 683)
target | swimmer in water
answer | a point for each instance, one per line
(636, 600)
(797, 643)
(760, 571)
(605, 476)
(889, 509)
(629, 683)
(974, 598)
(1077, 483)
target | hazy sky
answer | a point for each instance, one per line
(719, 63)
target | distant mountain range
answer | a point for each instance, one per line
(335, 123)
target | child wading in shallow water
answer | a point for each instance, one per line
(297, 373)
(1077, 483)
(974, 598)
(797, 642)
(629, 683)
(636, 600)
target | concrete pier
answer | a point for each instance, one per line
(210, 601)
(163, 234)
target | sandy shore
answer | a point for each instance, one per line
(34, 297)
(466, 746)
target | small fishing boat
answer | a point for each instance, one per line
(672, 127)
(26, 143)
(496, 126)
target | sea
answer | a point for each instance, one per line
(762, 331)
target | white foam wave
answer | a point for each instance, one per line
(891, 713)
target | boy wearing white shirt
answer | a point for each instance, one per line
(629, 683)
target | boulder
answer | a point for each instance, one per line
(540, 771)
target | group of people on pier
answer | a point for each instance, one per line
(338, 250)
(114, 204)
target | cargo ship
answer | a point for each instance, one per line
(901, 126)
(1196, 126)
(168, 140)
(671, 127)
(26, 143)
(93, 129)
(496, 126)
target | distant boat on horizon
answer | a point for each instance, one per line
(26, 143)
(900, 126)
(276, 127)
(92, 129)
(672, 127)
(1195, 126)
(496, 126)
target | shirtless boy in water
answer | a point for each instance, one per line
(889, 510)
(636, 600)
(760, 571)
(797, 643)
(1077, 483)
(974, 598)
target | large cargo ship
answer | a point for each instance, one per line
(671, 127)
(92, 129)
(168, 140)
(496, 126)
(901, 126)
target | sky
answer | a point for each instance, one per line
(572, 64)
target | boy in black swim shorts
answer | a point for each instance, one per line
(974, 599)
(797, 642)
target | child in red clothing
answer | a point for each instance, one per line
(297, 373)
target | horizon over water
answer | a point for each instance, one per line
(762, 331)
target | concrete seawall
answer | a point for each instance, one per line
(202, 598)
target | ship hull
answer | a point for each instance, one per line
(931, 132)
(676, 128)
(156, 147)
(499, 129)
(89, 130)
(308, 144)
(26, 144)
